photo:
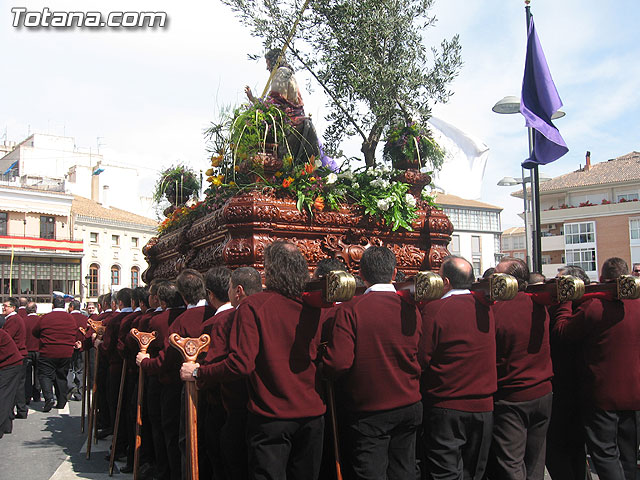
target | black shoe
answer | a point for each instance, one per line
(146, 471)
(119, 457)
(127, 469)
(60, 406)
(36, 399)
(104, 433)
(48, 405)
(76, 397)
(22, 416)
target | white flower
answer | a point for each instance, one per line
(347, 175)
(318, 163)
(355, 185)
(383, 204)
(384, 183)
(331, 178)
(410, 199)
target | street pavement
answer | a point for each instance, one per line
(50, 446)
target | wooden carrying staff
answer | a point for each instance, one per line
(123, 377)
(560, 289)
(499, 286)
(625, 287)
(97, 327)
(190, 348)
(144, 339)
(85, 381)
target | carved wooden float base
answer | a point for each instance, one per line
(237, 234)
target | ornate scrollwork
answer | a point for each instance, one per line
(569, 288)
(339, 286)
(628, 287)
(428, 286)
(502, 287)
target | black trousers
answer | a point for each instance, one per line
(8, 384)
(280, 449)
(153, 396)
(20, 400)
(518, 443)
(54, 371)
(612, 441)
(170, 422)
(113, 386)
(383, 444)
(32, 383)
(457, 443)
(566, 457)
(233, 440)
(76, 371)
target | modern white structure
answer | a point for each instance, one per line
(113, 241)
(476, 230)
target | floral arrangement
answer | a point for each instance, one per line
(409, 145)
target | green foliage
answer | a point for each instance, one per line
(368, 55)
(177, 185)
(412, 144)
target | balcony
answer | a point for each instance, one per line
(60, 243)
(553, 243)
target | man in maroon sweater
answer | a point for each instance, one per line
(57, 333)
(458, 354)
(32, 383)
(373, 346)
(76, 372)
(10, 365)
(609, 331)
(22, 309)
(274, 343)
(14, 325)
(522, 404)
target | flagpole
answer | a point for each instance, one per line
(535, 185)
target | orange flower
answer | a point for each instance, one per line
(286, 183)
(312, 179)
(309, 168)
(216, 160)
(319, 204)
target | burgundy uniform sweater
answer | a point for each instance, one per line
(9, 353)
(458, 353)
(81, 321)
(57, 333)
(157, 349)
(109, 345)
(522, 349)
(22, 311)
(610, 336)
(14, 325)
(274, 341)
(29, 322)
(234, 394)
(374, 345)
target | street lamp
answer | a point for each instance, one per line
(509, 105)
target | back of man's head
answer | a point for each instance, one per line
(190, 284)
(142, 294)
(23, 301)
(575, 271)
(106, 301)
(377, 265)
(248, 278)
(75, 304)
(168, 294)
(32, 307)
(515, 267)
(58, 302)
(458, 271)
(124, 297)
(286, 271)
(327, 265)
(217, 282)
(612, 268)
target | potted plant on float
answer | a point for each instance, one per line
(177, 185)
(411, 146)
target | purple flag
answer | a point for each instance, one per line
(540, 100)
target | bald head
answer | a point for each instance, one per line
(457, 273)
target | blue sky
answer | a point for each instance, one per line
(149, 93)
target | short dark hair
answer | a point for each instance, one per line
(249, 278)
(377, 265)
(327, 265)
(536, 278)
(613, 267)
(488, 272)
(190, 284)
(142, 293)
(169, 294)
(75, 304)
(13, 301)
(518, 269)
(459, 278)
(58, 302)
(217, 282)
(106, 301)
(32, 307)
(575, 271)
(124, 295)
(285, 269)
(400, 276)
(23, 301)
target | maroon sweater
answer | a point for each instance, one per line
(458, 353)
(522, 349)
(22, 311)
(9, 353)
(158, 348)
(57, 333)
(14, 325)
(234, 394)
(32, 342)
(109, 345)
(81, 321)
(274, 341)
(610, 336)
(374, 345)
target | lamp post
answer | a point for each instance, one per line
(87, 286)
(510, 105)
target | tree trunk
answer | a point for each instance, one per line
(369, 146)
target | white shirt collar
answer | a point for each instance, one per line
(32, 314)
(58, 310)
(126, 310)
(138, 309)
(381, 287)
(201, 303)
(107, 310)
(456, 291)
(11, 314)
(76, 311)
(159, 309)
(223, 307)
